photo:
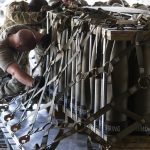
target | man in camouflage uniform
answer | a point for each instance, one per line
(14, 41)
(22, 13)
(32, 14)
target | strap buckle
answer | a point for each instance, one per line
(93, 72)
(108, 68)
(144, 82)
(78, 126)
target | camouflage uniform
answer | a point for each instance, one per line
(18, 13)
(9, 56)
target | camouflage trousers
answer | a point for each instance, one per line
(10, 87)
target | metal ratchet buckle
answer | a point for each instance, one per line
(15, 127)
(108, 68)
(9, 117)
(93, 72)
(78, 126)
(144, 82)
(24, 139)
(79, 77)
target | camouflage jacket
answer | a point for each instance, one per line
(18, 13)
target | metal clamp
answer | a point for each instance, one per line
(78, 126)
(144, 82)
(9, 117)
(93, 72)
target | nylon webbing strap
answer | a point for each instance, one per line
(99, 113)
(54, 145)
(87, 36)
(52, 102)
(26, 138)
(96, 138)
(102, 111)
(38, 106)
(125, 132)
(29, 101)
(99, 70)
(55, 90)
(42, 57)
(57, 97)
(65, 135)
(95, 71)
(144, 120)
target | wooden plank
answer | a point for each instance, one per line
(122, 35)
(132, 143)
(119, 35)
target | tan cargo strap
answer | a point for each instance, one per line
(100, 112)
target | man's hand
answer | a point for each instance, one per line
(19, 74)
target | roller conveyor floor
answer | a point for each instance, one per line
(75, 142)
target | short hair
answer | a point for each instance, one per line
(26, 39)
(36, 5)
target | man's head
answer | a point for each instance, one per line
(25, 40)
(36, 5)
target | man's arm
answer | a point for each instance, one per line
(19, 74)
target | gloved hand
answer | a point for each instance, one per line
(38, 81)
